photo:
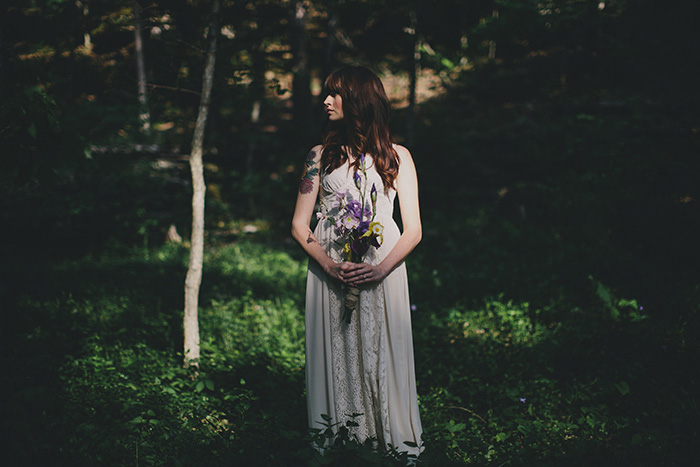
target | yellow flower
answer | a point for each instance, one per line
(346, 249)
(375, 228)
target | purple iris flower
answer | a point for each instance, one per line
(354, 208)
(362, 158)
(363, 227)
(373, 193)
(358, 180)
(359, 247)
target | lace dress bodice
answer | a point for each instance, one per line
(340, 180)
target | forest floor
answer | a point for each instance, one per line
(93, 370)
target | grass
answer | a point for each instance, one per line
(94, 372)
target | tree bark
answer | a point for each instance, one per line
(257, 91)
(144, 113)
(2, 55)
(331, 30)
(492, 43)
(194, 271)
(301, 80)
(413, 68)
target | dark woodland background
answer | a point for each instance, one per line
(556, 289)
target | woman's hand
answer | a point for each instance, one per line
(335, 270)
(357, 274)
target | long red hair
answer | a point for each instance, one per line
(364, 128)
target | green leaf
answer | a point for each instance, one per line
(623, 387)
(209, 384)
(200, 386)
(447, 63)
(500, 437)
(453, 427)
(604, 294)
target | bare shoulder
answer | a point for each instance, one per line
(404, 154)
(315, 153)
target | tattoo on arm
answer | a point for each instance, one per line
(307, 179)
(310, 239)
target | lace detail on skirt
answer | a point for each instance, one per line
(359, 366)
(373, 347)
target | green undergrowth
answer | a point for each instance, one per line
(505, 383)
(94, 371)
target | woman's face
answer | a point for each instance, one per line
(334, 107)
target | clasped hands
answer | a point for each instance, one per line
(356, 274)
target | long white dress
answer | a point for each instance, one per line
(366, 366)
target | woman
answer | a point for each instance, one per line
(364, 366)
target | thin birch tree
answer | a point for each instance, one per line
(331, 31)
(492, 43)
(144, 113)
(301, 73)
(194, 271)
(413, 69)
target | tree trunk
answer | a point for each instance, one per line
(492, 43)
(2, 56)
(257, 91)
(331, 30)
(194, 271)
(144, 113)
(301, 80)
(413, 66)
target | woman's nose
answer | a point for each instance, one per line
(327, 100)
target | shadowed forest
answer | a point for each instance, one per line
(556, 291)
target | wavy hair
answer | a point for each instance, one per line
(364, 128)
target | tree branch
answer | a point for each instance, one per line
(173, 88)
(466, 410)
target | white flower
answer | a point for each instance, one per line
(350, 222)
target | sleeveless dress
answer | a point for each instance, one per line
(364, 367)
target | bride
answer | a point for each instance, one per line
(362, 365)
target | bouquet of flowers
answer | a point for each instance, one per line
(357, 230)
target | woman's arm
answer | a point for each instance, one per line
(407, 189)
(306, 201)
